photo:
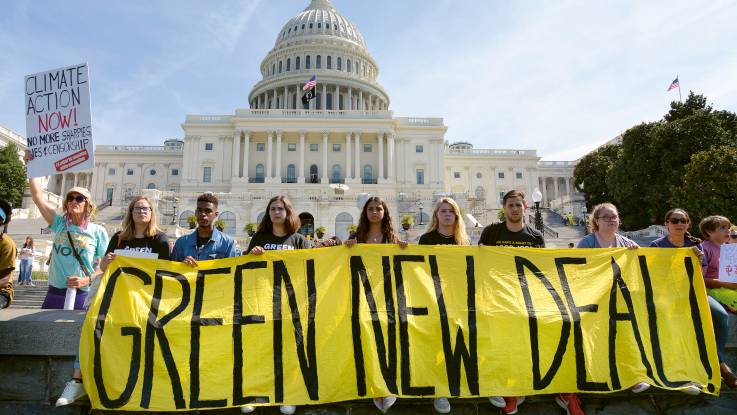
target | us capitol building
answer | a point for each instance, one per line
(326, 157)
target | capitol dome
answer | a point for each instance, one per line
(322, 42)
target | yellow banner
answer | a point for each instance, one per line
(335, 324)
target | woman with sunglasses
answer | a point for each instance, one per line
(71, 266)
(375, 227)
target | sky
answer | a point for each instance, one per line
(560, 77)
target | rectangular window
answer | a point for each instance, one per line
(501, 197)
(419, 149)
(313, 147)
(420, 176)
(291, 147)
(260, 146)
(336, 148)
(111, 172)
(457, 174)
(208, 146)
(518, 174)
(207, 174)
(500, 175)
(367, 148)
(175, 172)
(129, 172)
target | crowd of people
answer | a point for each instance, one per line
(82, 251)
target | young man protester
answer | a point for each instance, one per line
(515, 233)
(8, 253)
(206, 242)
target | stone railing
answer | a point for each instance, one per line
(137, 149)
(490, 152)
(557, 163)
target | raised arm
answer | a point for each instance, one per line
(37, 193)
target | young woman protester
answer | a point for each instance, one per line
(26, 262)
(375, 227)
(276, 232)
(447, 228)
(722, 294)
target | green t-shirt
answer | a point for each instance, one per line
(90, 243)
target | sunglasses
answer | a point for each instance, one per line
(78, 198)
(733, 235)
(676, 221)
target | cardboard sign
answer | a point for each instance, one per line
(728, 263)
(58, 121)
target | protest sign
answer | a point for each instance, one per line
(334, 324)
(728, 262)
(58, 121)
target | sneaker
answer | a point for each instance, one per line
(570, 403)
(383, 404)
(441, 405)
(247, 409)
(287, 409)
(73, 390)
(497, 401)
(640, 387)
(691, 389)
(512, 404)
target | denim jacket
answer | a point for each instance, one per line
(219, 246)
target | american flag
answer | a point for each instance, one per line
(311, 84)
(674, 84)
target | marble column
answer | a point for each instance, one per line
(348, 172)
(268, 156)
(390, 158)
(246, 151)
(324, 178)
(277, 174)
(301, 176)
(380, 139)
(236, 166)
(357, 162)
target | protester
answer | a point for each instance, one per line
(722, 294)
(375, 227)
(26, 262)
(447, 228)
(72, 265)
(140, 232)
(515, 233)
(8, 254)
(732, 234)
(205, 242)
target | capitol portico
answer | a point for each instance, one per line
(326, 156)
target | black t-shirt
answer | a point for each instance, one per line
(498, 235)
(271, 242)
(437, 238)
(157, 244)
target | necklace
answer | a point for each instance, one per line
(375, 239)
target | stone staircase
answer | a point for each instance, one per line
(29, 297)
(566, 234)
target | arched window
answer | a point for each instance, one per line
(289, 64)
(368, 173)
(480, 193)
(260, 216)
(307, 62)
(329, 102)
(342, 222)
(340, 63)
(273, 68)
(183, 223)
(348, 65)
(291, 174)
(296, 63)
(336, 173)
(151, 186)
(229, 219)
(280, 66)
(259, 173)
(313, 174)
(330, 62)
(318, 62)
(358, 67)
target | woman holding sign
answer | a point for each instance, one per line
(375, 227)
(447, 228)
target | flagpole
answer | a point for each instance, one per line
(679, 89)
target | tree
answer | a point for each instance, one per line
(709, 184)
(13, 173)
(591, 172)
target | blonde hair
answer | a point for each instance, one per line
(90, 208)
(593, 224)
(129, 228)
(459, 226)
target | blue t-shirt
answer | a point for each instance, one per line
(665, 243)
(90, 244)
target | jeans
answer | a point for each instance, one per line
(720, 320)
(26, 266)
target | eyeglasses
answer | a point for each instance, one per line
(608, 218)
(733, 235)
(142, 209)
(78, 198)
(676, 221)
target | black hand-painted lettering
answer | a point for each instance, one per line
(454, 357)
(697, 323)
(240, 320)
(194, 353)
(404, 311)
(134, 332)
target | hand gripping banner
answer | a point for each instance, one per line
(334, 324)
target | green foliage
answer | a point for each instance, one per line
(709, 184)
(591, 173)
(192, 221)
(408, 219)
(500, 215)
(251, 227)
(321, 229)
(352, 229)
(13, 173)
(220, 225)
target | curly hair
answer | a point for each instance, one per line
(387, 229)
(208, 198)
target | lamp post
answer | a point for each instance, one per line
(174, 212)
(537, 197)
(419, 206)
